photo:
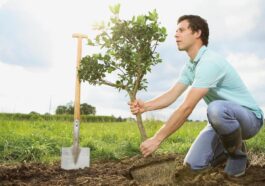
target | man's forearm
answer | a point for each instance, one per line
(155, 104)
(165, 99)
(175, 121)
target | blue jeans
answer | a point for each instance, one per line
(224, 117)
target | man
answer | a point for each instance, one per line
(232, 112)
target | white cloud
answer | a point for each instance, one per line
(27, 90)
(230, 19)
(251, 70)
(21, 38)
(2, 2)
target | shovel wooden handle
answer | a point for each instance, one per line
(77, 82)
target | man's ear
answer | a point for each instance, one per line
(198, 33)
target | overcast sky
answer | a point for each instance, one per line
(38, 53)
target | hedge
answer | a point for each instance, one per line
(49, 117)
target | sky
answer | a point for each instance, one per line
(38, 53)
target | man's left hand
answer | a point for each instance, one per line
(149, 146)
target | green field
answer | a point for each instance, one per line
(41, 141)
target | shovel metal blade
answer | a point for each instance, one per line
(68, 161)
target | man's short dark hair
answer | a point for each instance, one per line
(197, 23)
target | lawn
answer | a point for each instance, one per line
(41, 141)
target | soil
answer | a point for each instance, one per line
(130, 171)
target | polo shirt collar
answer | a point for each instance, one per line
(199, 54)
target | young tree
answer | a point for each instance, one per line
(128, 50)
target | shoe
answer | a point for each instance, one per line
(236, 151)
(236, 165)
(222, 158)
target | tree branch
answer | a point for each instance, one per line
(137, 84)
(156, 44)
(117, 67)
(105, 82)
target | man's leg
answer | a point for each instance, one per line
(233, 123)
(205, 151)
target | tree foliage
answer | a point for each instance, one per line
(86, 109)
(128, 50)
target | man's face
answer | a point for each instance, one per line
(184, 36)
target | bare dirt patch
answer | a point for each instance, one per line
(121, 173)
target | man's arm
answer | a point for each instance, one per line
(166, 98)
(175, 121)
(159, 102)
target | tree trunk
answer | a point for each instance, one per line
(141, 127)
(139, 122)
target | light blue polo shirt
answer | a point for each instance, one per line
(210, 70)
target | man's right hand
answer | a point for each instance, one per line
(137, 106)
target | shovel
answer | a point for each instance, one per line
(75, 157)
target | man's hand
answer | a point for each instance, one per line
(137, 106)
(149, 146)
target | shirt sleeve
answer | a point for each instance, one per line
(208, 74)
(184, 76)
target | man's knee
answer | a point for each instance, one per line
(195, 165)
(217, 113)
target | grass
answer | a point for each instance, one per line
(41, 141)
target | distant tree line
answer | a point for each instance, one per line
(85, 109)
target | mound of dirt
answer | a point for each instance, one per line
(129, 171)
(157, 170)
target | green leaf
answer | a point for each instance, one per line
(140, 20)
(98, 26)
(97, 38)
(89, 42)
(114, 20)
(161, 39)
(115, 9)
(164, 30)
(110, 69)
(153, 15)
